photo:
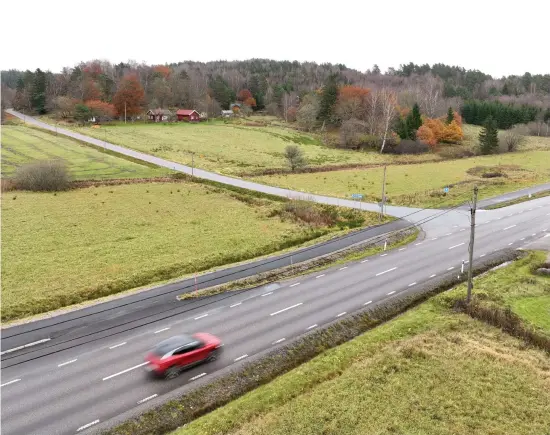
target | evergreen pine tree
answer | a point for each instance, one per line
(409, 125)
(38, 93)
(450, 115)
(488, 137)
(328, 99)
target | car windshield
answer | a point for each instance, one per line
(173, 343)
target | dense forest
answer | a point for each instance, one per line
(315, 94)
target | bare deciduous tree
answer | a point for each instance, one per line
(388, 102)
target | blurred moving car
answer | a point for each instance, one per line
(170, 357)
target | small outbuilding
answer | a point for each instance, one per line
(159, 115)
(188, 115)
(227, 113)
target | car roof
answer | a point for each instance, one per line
(175, 342)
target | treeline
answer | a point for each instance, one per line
(505, 115)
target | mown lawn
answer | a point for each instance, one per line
(22, 144)
(65, 248)
(422, 184)
(233, 149)
(429, 371)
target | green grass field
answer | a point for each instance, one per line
(65, 248)
(233, 149)
(429, 371)
(22, 144)
(422, 184)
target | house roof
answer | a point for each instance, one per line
(186, 112)
(160, 112)
(227, 112)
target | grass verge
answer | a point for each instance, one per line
(354, 253)
(330, 365)
(518, 200)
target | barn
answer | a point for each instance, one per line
(188, 115)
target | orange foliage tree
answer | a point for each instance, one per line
(434, 131)
(100, 109)
(426, 134)
(250, 102)
(352, 102)
(243, 95)
(130, 92)
(163, 70)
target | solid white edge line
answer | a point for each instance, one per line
(456, 246)
(367, 303)
(285, 309)
(267, 294)
(125, 371)
(67, 362)
(311, 327)
(411, 284)
(342, 268)
(201, 317)
(117, 345)
(294, 285)
(319, 276)
(280, 340)
(10, 382)
(431, 276)
(451, 268)
(391, 293)
(507, 228)
(147, 398)
(161, 330)
(341, 314)
(194, 378)
(234, 305)
(86, 426)
(241, 357)
(34, 343)
(386, 271)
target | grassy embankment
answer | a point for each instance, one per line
(411, 180)
(432, 370)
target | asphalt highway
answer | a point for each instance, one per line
(66, 387)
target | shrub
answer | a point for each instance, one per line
(512, 139)
(43, 176)
(295, 157)
(407, 146)
(457, 152)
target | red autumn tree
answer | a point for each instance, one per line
(250, 102)
(243, 95)
(90, 90)
(101, 110)
(130, 92)
(291, 114)
(425, 134)
(163, 70)
(352, 102)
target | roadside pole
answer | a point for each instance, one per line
(125, 112)
(472, 236)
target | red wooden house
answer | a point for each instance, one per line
(188, 115)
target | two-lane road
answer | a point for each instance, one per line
(75, 386)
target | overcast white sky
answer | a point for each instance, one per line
(485, 34)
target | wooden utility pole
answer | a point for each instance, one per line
(125, 112)
(471, 250)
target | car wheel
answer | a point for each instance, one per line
(172, 372)
(213, 356)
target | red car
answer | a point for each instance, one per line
(178, 353)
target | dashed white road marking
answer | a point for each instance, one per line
(341, 314)
(311, 327)
(431, 276)
(161, 330)
(511, 226)
(530, 209)
(534, 234)
(241, 357)
(417, 244)
(34, 343)
(451, 268)
(86, 426)
(435, 238)
(367, 303)
(194, 378)
(499, 218)
(319, 276)
(522, 239)
(67, 362)
(235, 305)
(463, 229)
(147, 398)
(267, 294)
(391, 293)
(411, 284)
(364, 261)
(342, 268)
(402, 249)
(286, 309)
(295, 284)
(482, 255)
(383, 255)
(10, 382)
(448, 234)
(125, 371)
(510, 243)
(386, 271)
(280, 340)
(456, 246)
(117, 345)
(201, 317)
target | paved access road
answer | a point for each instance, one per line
(52, 389)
